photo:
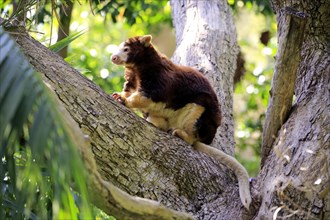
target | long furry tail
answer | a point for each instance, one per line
(232, 163)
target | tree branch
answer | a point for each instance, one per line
(291, 26)
(105, 195)
(132, 154)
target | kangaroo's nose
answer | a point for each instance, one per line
(114, 58)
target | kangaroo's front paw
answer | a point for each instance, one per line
(118, 98)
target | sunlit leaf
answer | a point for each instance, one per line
(65, 41)
(39, 159)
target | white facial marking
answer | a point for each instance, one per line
(119, 57)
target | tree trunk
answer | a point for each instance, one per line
(206, 40)
(295, 180)
(64, 24)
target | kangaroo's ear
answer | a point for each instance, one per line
(145, 40)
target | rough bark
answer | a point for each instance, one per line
(108, 197)
(132, 154)
(291, 29)
(295, 182)
(208, 42)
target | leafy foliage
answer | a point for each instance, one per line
(262, 6)
(115, 9)
(39, 160)
(252, 92)
(107, 23)
(133, 10)
(16, 11)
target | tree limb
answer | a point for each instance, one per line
(109, 198)
(132, 154)
(291, 26)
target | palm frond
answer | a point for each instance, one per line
(39, 160)
(65, 41)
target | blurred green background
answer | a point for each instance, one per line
(108, 23)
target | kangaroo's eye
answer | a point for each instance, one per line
(126, 49)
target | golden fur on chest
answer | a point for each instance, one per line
(181, 121)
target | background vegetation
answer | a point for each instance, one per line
(106, 23)
(35, 174)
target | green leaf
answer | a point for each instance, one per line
(40, 162)
(65, 41)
